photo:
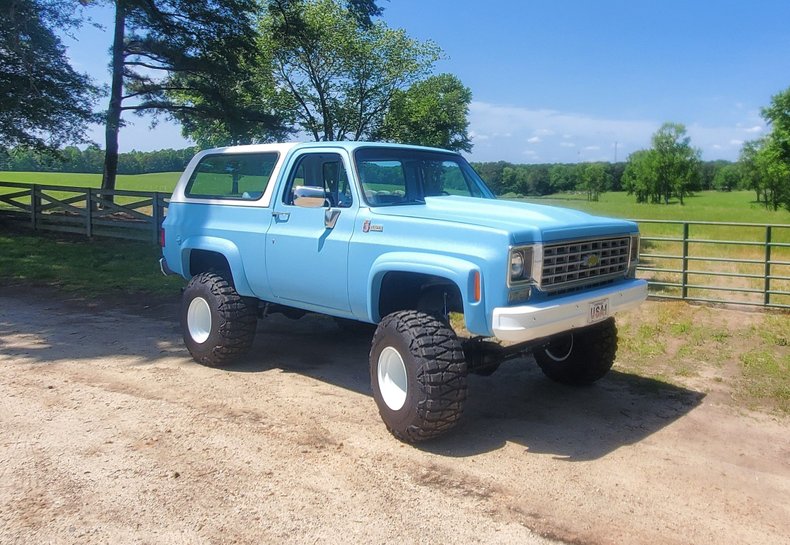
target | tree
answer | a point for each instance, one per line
(670, 168)
(727, 178)
(432, 112)
(172, 56)
(245, 109)
(595, 179)
(44, 102)
(773, 159)
(777, 114)
(766, 173)
(676, 162)
(563, 177)
(339, 74)
(640, 176)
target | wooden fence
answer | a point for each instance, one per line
(135, 215)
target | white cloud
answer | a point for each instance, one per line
(508, 127)
(755, 129)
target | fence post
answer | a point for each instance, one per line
(156, 212)
(767, 269)
(89, 213)
(35, 204)
(684, 290)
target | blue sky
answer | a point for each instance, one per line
(569, 81)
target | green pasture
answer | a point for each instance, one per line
(159, 181)
(732, 206)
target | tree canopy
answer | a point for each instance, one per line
(432, 112)
(765, 163)
(182, 58)
(44, 102)
(338, 75)
(669, 169)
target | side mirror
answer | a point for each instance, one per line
(330, 217)
(309, 196)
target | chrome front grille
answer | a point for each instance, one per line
(576, 264)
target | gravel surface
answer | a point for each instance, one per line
(110, 433)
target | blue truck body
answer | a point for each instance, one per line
(334, 257)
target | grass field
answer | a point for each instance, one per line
(733, 206)
(160, 181)
(707, 206)
(95, 268)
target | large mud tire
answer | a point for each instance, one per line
(418, 375)
(580, 357)
(218, 324)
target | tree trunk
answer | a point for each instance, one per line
(116, 94)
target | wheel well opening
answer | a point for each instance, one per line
(434, 295)
(206, 261)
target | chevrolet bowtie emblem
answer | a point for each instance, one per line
(591, 260)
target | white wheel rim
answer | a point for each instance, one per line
(393, 383)
(561, 357)
(199, 320)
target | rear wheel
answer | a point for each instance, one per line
(580, 357)
(418, 375)
(218, 324)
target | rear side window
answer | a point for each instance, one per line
(232, 176)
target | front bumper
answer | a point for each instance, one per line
(528, 322)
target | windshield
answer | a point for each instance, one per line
(393, 176)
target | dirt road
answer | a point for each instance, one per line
(109, 433)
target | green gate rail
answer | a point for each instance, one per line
(714, 262)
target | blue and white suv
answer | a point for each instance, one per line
(398, 236)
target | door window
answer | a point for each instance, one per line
(319, 180)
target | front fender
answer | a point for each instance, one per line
(221, 246)
(458, 271)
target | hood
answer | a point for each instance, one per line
(525, 222)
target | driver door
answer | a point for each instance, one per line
(308, 240)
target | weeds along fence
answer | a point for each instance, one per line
(133, 215)
(736, 263)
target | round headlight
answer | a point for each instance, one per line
(516, 265)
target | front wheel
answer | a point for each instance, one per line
(580, 357)
(418, 375)
(218, 324)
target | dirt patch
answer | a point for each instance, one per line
(110, 433)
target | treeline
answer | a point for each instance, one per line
(545, 179)
(503, 177)
(91, 160)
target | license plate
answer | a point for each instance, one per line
(599, 310)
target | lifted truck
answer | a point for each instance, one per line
(401, 237)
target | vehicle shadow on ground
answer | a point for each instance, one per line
(517, 404)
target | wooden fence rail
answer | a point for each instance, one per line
(134, 215)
